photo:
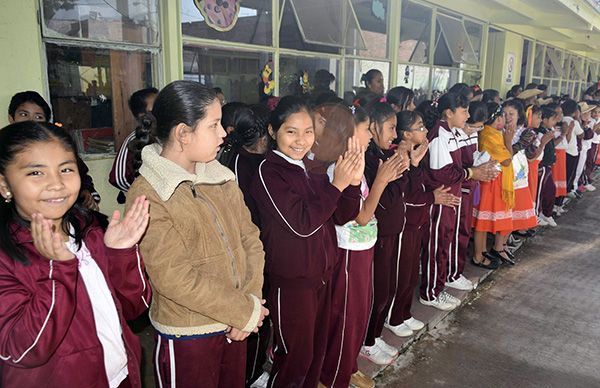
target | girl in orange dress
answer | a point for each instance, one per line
(493, 214)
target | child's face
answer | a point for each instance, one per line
(596, 113)
(28, 111)
(458, 118)
(511, 115)
(386, 133)
(559, 115)
(536, 120)
(471, 128)
(586, 116)
(43, 179)
(296, 135)
(417, 133)
(550, 122)
(376, 84)
(499, 123)
(361, 130)
(203, 143)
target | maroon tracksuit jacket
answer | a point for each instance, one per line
(47, 330)
(244, 166)
(297, 212)
(444, 167)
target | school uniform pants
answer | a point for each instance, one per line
(385, 283)
(571, 172)
(460, 245)
(579, 173)
(434, 260)
(300, 319)
(351, 299)
(412, 242)
(546, 192)
(591, 162)
(207, 361)
(257, 351)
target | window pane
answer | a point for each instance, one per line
(553, 64)
(236, 72)
(475, 34)
(415, 31)
(415, 78)
(538, 62)
(443, 79)
(89, 90)
(355, 68)
(373, 20)
(553, 87)
(471, 77)
(232, 21)
(525, 60)
(453, 45)
(130, 21)
(291, 37)
(293, 69)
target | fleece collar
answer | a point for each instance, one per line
(165, 176)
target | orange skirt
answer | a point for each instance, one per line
(491, 215)
(523, 215)
(598, 157)
(559, 173)
(532, 178)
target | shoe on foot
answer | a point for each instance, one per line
(541, 221)
(549, 220)
(376, 355)
(400, 330)
(361, 380)
(590, 187)
(262, 381)
(451, 298)
(439, 303)
(389, 349)
(462, 283)
(414, 324)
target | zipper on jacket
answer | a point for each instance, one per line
(222, 234)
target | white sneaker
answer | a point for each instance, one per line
(590, 187)
(376, 355)
(401, 330)
(439, 303)
(549, 220)
(389, 349)
(262, 381)
(451, 298)
(414, 324)
(572, 195)
(462, 283)
(541, 221)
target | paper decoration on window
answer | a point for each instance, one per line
(220, 15)
(267, 81)
(378, 9)
(304, 82)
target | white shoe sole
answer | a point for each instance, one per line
(458, 287)
(403, 334)
(433, 304)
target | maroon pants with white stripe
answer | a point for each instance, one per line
(210, 362)
(434, 260)
(352, 295)
(590, 162)
(571, 171)
(460, 246)
(546, 192)
(385, 283)
(408, 275)
(300, 319)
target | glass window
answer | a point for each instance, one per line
(443, 79)
(475, 34)
(229, 20)
(291, 36)
(536, 80)
(592, 72)
(415, 30)
(237, 73)
(297, 74)
(577, 68)
(566, 66)
(553, 64)
(553, 87)
(525, 60)
(89, 90)
(453, 45)
(355, 68)
(373, 20)
(415, 78)
(471, 77)
(538, 61)
(129, 21)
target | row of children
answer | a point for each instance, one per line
(326, 212)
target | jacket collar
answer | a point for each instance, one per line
(284, 161)
(165, 176)
(299, 163)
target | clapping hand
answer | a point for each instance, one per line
(417, 154)
(126, 232)
(48, 242)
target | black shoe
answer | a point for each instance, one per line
(492, 265)
(496, 255)
(526, 234)
(509, 254)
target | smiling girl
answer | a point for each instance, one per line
(298, 212)
(204, 256)
(66, 287)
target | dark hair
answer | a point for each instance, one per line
(339, 127)
(229, 113)
(251, 124)
(137, 101)
(490, 95)
(548, 111)
(531, 85)
(534, 110)
(379, 112)
(452, 101)
(328, 98)
(513, 91)
(542, 87)
(478, 112)
(569, 107)
(14, 139)
(366, 98)
(217, 90)
(360, 114)
(178, 102)
(367, 77)
(429, 112)
(29, 96)
(405, 120)
(287, 106)
(492, 109)
(461, 88)
(400, 96)
(517, 104)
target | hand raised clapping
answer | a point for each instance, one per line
(350, 167)
(126, 232)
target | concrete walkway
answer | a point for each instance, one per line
(536, 324)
